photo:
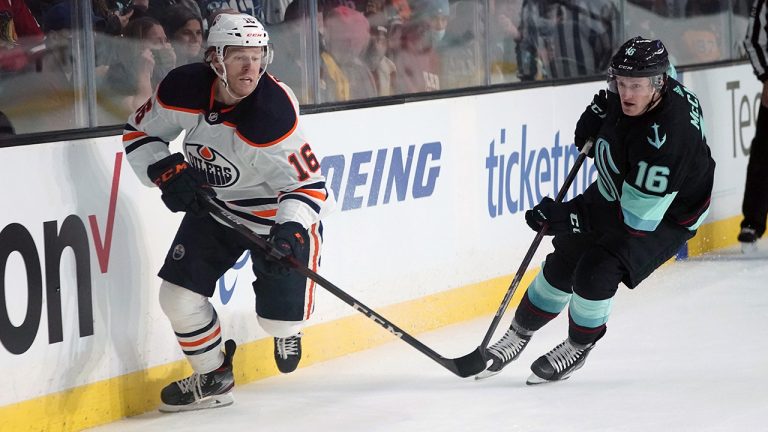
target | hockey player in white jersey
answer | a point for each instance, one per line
(244, 148)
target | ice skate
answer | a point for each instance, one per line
(748, 239)
(202, 391)
(288, 352)
(505, 351)
(559, 363)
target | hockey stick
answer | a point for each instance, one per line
(532, 250)
(465, 366)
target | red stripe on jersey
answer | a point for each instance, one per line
(132, 136)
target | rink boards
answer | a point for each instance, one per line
(428, 229)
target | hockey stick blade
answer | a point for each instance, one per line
(531, 251)
(465, 366)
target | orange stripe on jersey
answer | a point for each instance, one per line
(317, 194)
(175, 108)
(213, 94)
(132, 136)
(316, 241)
(213, 98)
(202, 340)
(271, 143)
(265, 213)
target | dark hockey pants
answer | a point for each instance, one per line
(754, 207)
(592, 265)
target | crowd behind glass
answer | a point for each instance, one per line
(70, 64)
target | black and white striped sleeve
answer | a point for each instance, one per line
(756, 42)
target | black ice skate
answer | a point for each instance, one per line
(559, 363)
(748, 239)
(202, 391)
(288, 352)
(505, 351)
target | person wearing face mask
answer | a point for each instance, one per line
(654, 185)
(244, 151)
(143, 58)
(418, 58)
(344, 75)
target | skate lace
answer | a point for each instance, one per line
(508, 346)
(192, 384)
(288, 346)
(563, 356)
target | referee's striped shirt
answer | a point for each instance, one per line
(756, 42)
(578, 36)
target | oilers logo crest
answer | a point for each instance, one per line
(218, 171)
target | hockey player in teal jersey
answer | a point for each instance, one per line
(653, 190)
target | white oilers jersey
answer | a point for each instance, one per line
(253, 154)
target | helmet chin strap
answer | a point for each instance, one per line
(654, 99)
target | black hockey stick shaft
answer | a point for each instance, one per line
(532, 249)
(465, 366)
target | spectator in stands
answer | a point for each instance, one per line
(343, 74)
(290, 42)
(505, 33)
(462, 51)
(156, 8)
(382, 67)
(185, 29)
(19, 34)
(566, 39)
(417, 59)
(696, 30)
(43, 100)
(704, 40)
(147, 56)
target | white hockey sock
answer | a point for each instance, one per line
(196, 324)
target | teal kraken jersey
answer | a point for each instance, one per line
(656, 166)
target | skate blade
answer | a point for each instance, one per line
(218, 401)
(486, 374)
(749, 248)
(536, 380)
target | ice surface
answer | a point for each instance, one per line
(685, 351)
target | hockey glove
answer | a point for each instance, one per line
(590, 121)
(290, 239)
(182, 188)
(560, 218)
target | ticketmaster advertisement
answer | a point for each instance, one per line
(430, 198)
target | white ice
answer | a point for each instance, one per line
(685, 351)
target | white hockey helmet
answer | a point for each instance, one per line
(238, 30)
